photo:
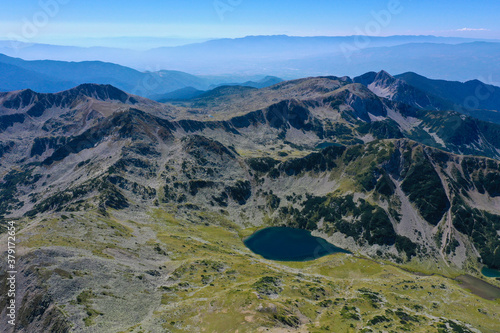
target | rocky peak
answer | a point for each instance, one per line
(102, 92)
(384, 76)
(35, 104)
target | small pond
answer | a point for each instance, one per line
(324, 145)
(492, 273)
(289, 244)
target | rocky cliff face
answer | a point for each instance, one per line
(386, 86)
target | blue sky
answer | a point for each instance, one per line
(64, 20)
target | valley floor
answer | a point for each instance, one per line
(135, 272)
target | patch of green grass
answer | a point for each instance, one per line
(85, 298)
(268, 285)
(216, 283)
(62, 273)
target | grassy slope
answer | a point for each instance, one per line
(210, 282)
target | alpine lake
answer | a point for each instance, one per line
(289, 244)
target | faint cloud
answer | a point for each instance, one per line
(473, 29)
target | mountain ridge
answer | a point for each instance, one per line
(299, 56)
(52, 76)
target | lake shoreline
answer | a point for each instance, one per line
(265, 241)
(289, 244)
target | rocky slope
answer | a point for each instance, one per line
(93, 152)
(385, 85)
(474, 98)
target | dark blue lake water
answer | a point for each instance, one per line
(324, 145)
(488, 272)
(288, 244)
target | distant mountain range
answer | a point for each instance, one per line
(473, 97)
(460, 62)
(264, 82)
(286, 47)
(188, 93)
(293, 57)
(53, 76)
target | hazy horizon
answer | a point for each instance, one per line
(144, 43)
(291, 39)
(74, 23)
